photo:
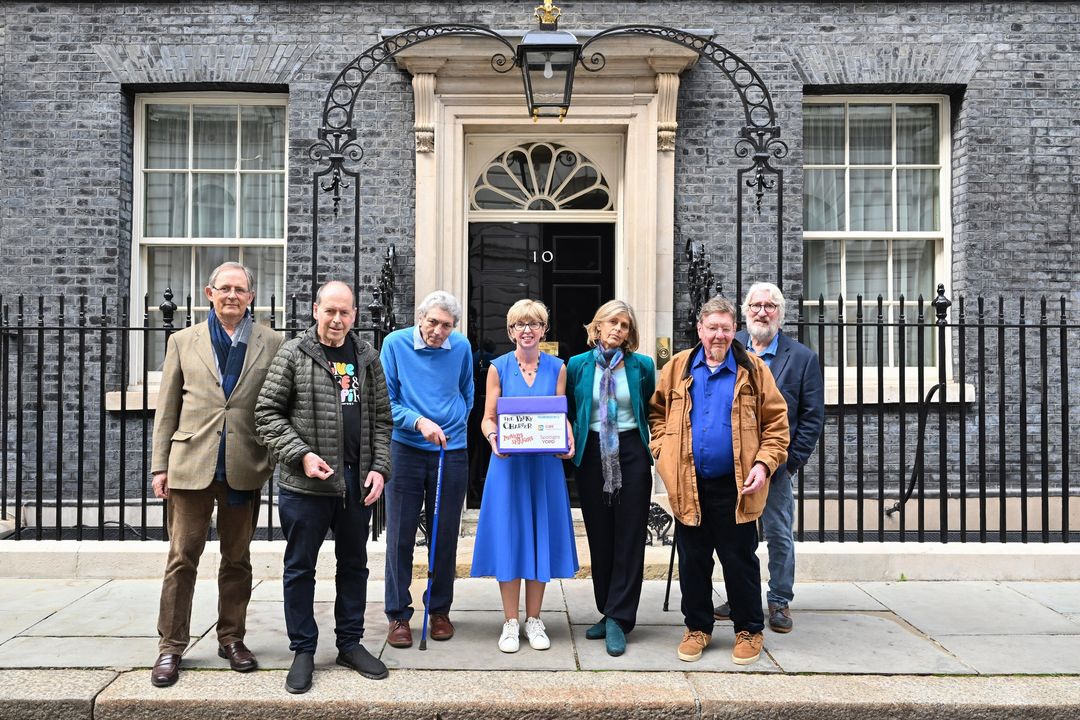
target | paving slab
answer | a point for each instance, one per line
(51, 694)
(967, 608)
(78, 652)
(841, 597)
(268, 639)
(872, 697)
(1016, 654)
(325, 590)
(475, 646)
(40, 595)
(857, 643)
(1061, 597)
(655, 648)
(339, 693)
(126, 608)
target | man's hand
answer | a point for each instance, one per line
(431, 432)
(161, 485)
(756, 479)
(376, 482)
(316, 467)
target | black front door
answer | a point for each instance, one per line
(569, 267)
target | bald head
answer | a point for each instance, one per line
(334, 312)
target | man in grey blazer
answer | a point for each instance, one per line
(798, 376)
(205, 453)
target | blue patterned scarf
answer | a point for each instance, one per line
(229, 353)
(607, 361)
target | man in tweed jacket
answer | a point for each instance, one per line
(325, 416)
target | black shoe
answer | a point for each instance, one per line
(780, 618)
(722, 612)
(360, 660)
(299, 678)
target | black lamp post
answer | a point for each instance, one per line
(547, 58)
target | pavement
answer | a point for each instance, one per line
(81, 648)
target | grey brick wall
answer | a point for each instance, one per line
(69, 74)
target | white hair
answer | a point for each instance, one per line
(440, 299)
(774, 293)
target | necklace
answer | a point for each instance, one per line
(525, 371)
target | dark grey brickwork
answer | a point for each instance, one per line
(69, 74)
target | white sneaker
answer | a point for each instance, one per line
(508, 643)
(534, 630)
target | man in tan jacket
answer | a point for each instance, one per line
(206, 453)
(719, 431)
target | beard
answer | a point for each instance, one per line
(762, 334)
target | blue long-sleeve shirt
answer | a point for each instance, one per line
(436, 383)
(712, 394)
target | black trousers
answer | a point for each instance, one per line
(616, 534)
(735, 544)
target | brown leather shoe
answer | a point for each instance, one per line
(166, 670)
(240, 658)
(441, 627)
(400, 634)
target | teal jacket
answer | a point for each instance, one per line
(580, 376)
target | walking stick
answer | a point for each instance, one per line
(431, 551)
(670, 571)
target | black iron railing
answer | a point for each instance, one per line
(944, 422)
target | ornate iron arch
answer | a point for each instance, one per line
(759, 138)
(337, 153)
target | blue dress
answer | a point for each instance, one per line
(525, 529)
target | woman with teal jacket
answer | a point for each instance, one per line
(608, 390)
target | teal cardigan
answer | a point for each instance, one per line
(580, 376)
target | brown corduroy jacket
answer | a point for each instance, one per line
(759, 432)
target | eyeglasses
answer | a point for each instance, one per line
(519, 326)
(229, 290)
(769, 308)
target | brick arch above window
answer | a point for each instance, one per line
(159, 64)
(829, 63)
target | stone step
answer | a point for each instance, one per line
(339, 693)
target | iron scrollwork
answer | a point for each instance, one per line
(701, 282)
(658, 526)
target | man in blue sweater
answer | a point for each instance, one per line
(429, 377)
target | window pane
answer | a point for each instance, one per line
(820, 332)
(823, 200)
(167, 136)
(917, 134)
(215, 136)
(871, 200)
(206, 260)
(262, 206)
(867, 265)
(268, 264)
(871, 348)
(823, 134)
(262, 137)
(821, 269)
(913, 263)
(918, 203)
(871, 134)
(168, 267)
(166, 205)
(213, 205)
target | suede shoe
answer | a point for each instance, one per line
(597, 631)
(400, 634)
(614, 638)
(722, 612)
(299, 678)
(240, 658)
(441, 627)
(780, 618)
(747, 648)
(692, 645)
(166, 670)
(360, 660)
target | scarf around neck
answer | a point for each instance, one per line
(229, 352)
(607, 361)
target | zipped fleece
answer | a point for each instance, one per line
(299, 411)
(759, 433)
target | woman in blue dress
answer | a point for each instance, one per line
(525, 531)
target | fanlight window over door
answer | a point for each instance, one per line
(541, 176)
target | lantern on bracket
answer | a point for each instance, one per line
(547, 57)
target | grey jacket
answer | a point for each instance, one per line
(299, 411)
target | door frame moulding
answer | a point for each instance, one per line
(633, 97)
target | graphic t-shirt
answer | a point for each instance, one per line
(342, 362)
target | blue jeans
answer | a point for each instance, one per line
(305, 520)
(412, 488)
(776, 522)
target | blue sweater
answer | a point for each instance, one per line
(433, 383)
